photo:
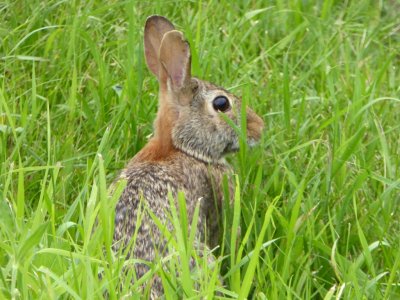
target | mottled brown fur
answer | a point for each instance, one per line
(185, 154)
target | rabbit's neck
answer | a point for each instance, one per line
(201, 156)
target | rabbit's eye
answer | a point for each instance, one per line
(221, 103)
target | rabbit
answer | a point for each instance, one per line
(186, 152)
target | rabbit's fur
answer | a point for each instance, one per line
(185, 153)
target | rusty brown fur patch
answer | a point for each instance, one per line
(155, 150)
(160, 147)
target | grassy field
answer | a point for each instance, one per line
(317, 199)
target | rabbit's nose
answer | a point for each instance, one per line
(255, 125)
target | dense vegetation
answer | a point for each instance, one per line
(317, 200)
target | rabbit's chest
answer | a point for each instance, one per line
(203, 188)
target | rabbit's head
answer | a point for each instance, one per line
(190, 115)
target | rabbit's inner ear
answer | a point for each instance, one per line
(175, 59)
(154, 31)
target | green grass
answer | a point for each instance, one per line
(317, 201)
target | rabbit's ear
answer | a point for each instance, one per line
(154, 30)
(175, 60)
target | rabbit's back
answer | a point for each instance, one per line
(148, 185)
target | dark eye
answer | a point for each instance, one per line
(221, 103)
